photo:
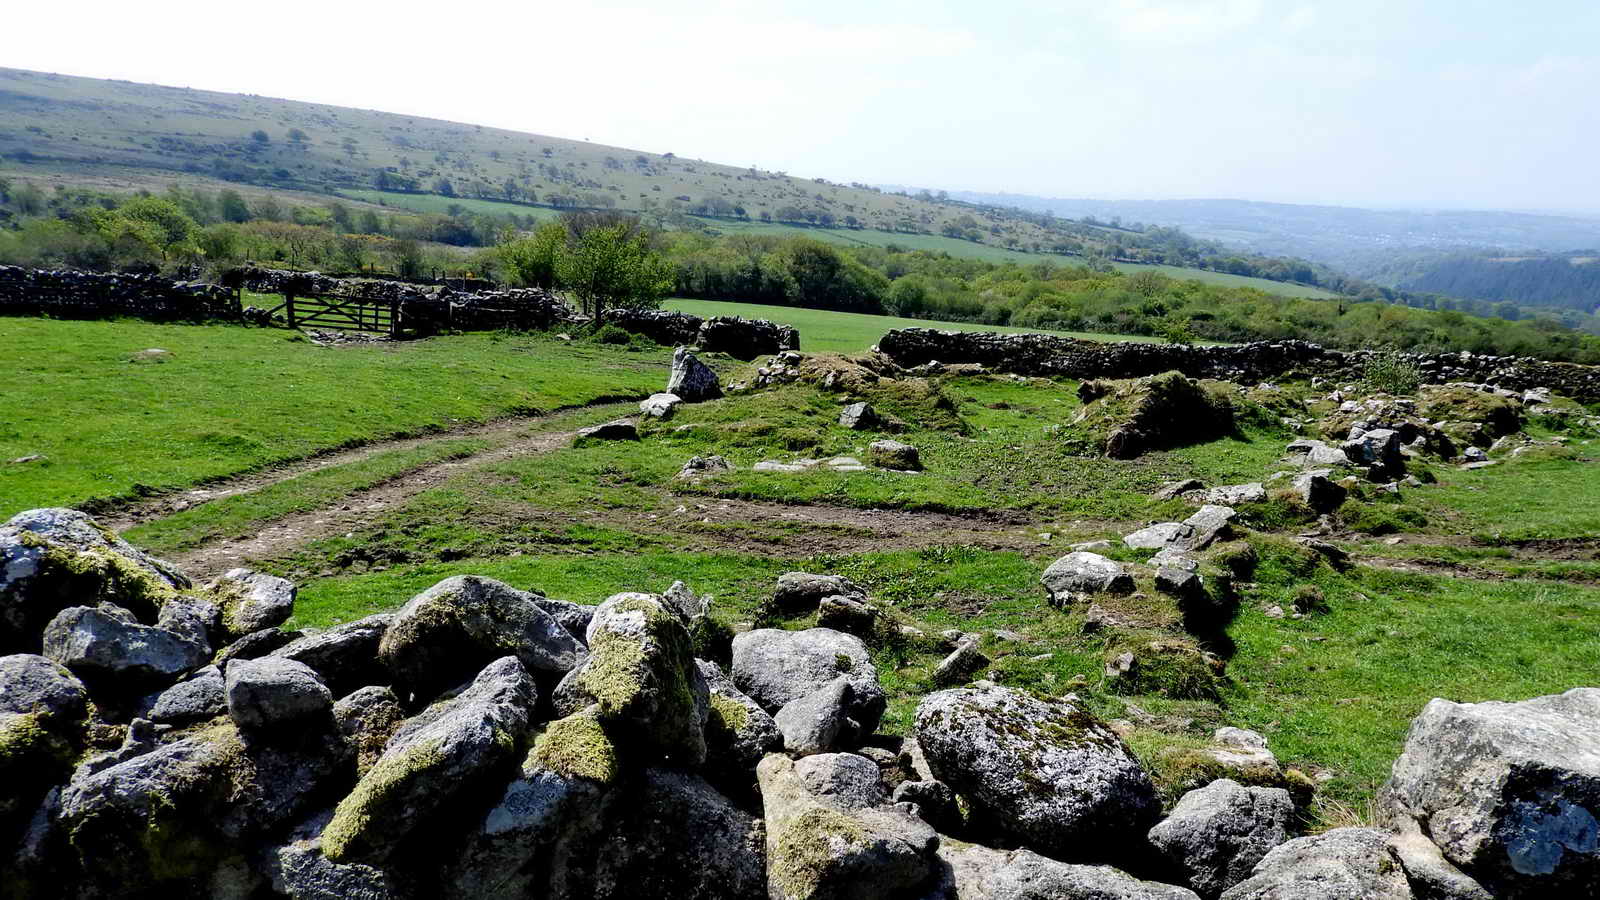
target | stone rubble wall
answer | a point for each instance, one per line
(69, 294)
(1053, 355)
(742, 338)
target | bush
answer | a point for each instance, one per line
(614, 335)
(1392, 372)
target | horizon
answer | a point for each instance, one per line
(878, 102)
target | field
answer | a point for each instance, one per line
(1489, 588)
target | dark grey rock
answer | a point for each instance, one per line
(252, 600)
(368, 718)
(103, 646)
(847, 780)
(1083, 573)
(850, 615)
(860, 417)
(898, 455)
(1316, 490)
(1046, 773)
(344, 657)
(738, 731)
(1217, 834)
(777, 667)
(962, 663)
(935, 802)
(616, 430)
(801, 591)
(254, 645)
(272, 693)
(574, 617)
(691, 379)
(196, 698)
(979, 872)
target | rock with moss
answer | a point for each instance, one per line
(444, 635)
(1471, 412)
(452, 749)
(1510, 792)
(818, 848)
(51, 559)
(776, 667)
(574, 617)
(820, 722)
(1128, 418)
(1082, 574)
(43, 710)
(108, 648)
(1172, 667)
(738, 731)
(1217, 834)
(182, 819)
(1047, 773)
(642, 675)
(251, 601)
(256, 644)
(193, 618)
(1342, 864)
(850, 615)
(802, 591)
(553, 812)
(368, 718)
(345, 657)
(970, 871)
(273, 697)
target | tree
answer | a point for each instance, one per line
(532, 261)
(231, 206)
(259, 136)
(296, 136)
(613, 265)
(154, 221)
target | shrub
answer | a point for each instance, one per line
(1392, 372)
(614, 335)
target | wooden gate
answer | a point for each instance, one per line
(343, 314)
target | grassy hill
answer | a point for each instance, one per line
(113, 134)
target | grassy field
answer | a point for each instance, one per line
(226, 399)
(822, 329)
(434, 203)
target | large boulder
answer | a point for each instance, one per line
(1126, 419)
(43, 709)
(818, 847)
(1082, 573)
(660, 406)
(1217, 834)
(272, 696)
(181, 819)
(641, 674)
(803, 591)
(51, 559)
(344, 657)
(776, 667)
(446, 634)
(971, 872)
(106, 645)
(738, 731)
(691, 379)
(251, 601)
(1342, 864)
(1510, 792)
(1046, 773)
(453, 748)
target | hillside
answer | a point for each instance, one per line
(66, 130)
(1565, 281)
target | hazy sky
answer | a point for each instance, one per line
(1449, 103)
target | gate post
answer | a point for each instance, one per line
(288, 308)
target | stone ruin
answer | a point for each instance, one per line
(1252, 363)
(160, 738)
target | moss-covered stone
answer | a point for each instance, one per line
(1127, 418)
(577, 747)
(1172, 668)
(380, 794)
(808, 847)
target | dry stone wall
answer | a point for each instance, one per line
(69, 294)
(735, 336)
(1053, 355)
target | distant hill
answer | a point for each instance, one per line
(1358, 241)
(1564, 281)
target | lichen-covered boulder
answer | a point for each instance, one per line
(51, 559)
(738, 731)
(1510, 792)
(1318, 491)
(1047, 773)
(971, 872)
(108, 647)
(888, 454)
(1217, 834)
(818, 848)
(444, 635)
(43, 709)
(820, 722)
(455, 746)
(181, 819)
(273, 696)
(344, 657)
(776, 667)
(251, 601)
(198, 697)
(691, 379)
(860, 417)
(660, 406)
(368, 718)
(1081, 573)
(1342, 864)
(802, 591)
(642, 675)
(847, 614)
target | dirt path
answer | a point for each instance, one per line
(502, 433)
(354, 511)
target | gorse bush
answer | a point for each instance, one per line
(1392, 372)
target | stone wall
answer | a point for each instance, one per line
(69, 294)
(741, 338)
(1052, 355)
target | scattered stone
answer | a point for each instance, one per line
(738, 731)
(847, 614)
(860, 417)
(1236, 494)
(1156, 537)
(1082, 573)
(702, 466)
(255, 644)
(1318, 454)
(617, 430)
(803, 591)
(964, 662)
(660, 406)
(1217, 834)
(1047, 773)
(889, 454)
(1174, 489)
(1316, 490)
(344, 657)
(691, 379)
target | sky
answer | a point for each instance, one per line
(1380, 103)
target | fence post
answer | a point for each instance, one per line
(288, 308)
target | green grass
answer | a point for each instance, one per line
(822, 329)
(436, 203)
(1531, 497)
(240, 515)
(231, 399)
